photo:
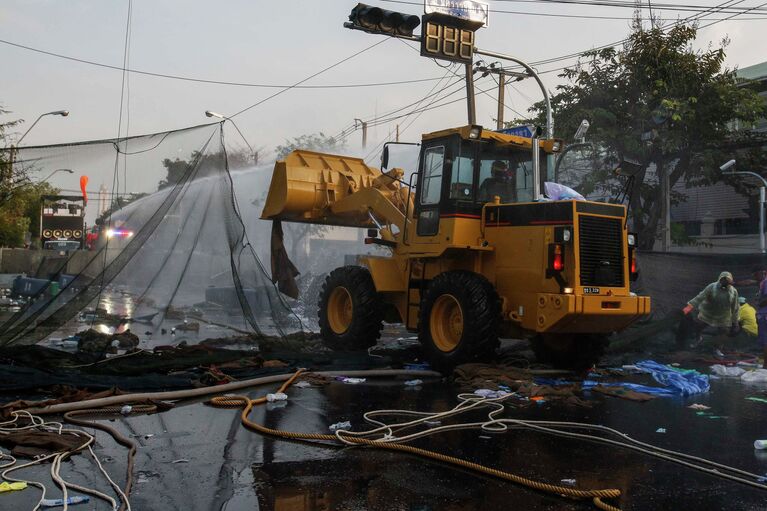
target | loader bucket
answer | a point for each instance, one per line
(306, 183)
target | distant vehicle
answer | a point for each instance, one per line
(62, 219)
(116, 235)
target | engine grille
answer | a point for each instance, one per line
(601, 251)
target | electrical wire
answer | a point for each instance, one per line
(631, 5)
(216, 82)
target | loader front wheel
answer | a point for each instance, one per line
(351, 312)
(459, 319)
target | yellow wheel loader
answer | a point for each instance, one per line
(476, 252)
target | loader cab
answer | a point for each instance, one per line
(460, 172)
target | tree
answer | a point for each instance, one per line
(314, 142)
(206, 163)
(661, 103)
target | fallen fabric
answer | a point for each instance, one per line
(29, 444)
(683, 381)
(6, 486)
(637, 387)
(623, 393)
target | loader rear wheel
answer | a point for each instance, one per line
(351, 312)
(459, 319)
(578, 352)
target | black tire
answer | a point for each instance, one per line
(364, 325)
(578, 352)
(480, 309)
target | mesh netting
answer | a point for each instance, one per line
(182, 262)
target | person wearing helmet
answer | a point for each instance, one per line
(718, 308)
(500, 183)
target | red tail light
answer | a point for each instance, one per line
(556, 257)
(633, 266)
(559, 262)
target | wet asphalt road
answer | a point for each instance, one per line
(225, 467)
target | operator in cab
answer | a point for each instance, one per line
(500, 183)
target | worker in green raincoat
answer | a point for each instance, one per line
(718, 309)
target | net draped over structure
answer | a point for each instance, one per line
(181, 258)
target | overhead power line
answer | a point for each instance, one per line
(579, 16)
(215, 82)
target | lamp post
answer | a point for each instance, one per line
(62, 113)
(210, 113)
(762, 188)
(70, 171)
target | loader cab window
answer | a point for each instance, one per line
(433, 164)
(507, 174)
(462, 174)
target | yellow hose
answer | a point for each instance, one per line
(247, 403)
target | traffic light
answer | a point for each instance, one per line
(380, 21)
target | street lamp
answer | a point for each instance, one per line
(62, 113)
(211, 113)
(730, 164)
(70, 171)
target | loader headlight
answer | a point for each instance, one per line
(567, 235)
(632, 240)
(475, 132)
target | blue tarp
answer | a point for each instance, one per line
(684, 382)
(646, 389)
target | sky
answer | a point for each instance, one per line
(278, 42)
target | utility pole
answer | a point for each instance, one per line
(495, 68)
(470, 99)
(396, 139)
(501, 90)
(364, 131)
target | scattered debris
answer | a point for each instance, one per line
(660, 430)
(6, 486)
(491, 394)
(760, 444)
(351, 381)
(698, 406)
(302, 384)
(757, 399)
(182, 460)
(77, 499)
(756, 376)
(340, 425)
(570, 482)
(277, 396)
(126, 410)
(721, 370)
(192, 326)
(413, 383)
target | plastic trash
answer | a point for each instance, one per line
(721, 370)
(278, 396)
(490, 394)
(413, 383)
(77, 499)
(340, 425)
(757, 376)
(182, 460)
(698, 406)
(660, 430)
(6, 486)
(556, 191)
(570, 482)
(760, 444)
(351, 381)
(302, 384)
(126, 410)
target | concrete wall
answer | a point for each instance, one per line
(32, 262)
